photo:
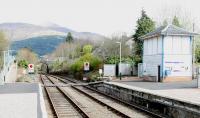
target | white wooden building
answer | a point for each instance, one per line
(171, 48)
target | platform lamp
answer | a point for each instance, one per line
(120, 56)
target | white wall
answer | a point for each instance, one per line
(177, 45)
(152, 56)
(150, 64)
(178, 55)
(152, 46)
(109, 70)
(125, 68)
(178, 65)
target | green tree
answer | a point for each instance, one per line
(87, 49)
(23, 63)
(144, 26)
(176, 22)
(69, 37)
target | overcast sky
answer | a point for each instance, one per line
(99, 16)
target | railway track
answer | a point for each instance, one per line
(115, 106)
(92, 108)
(94, 94)
(63, 106)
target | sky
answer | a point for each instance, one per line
(105, 17)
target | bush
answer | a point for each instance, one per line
(116, 60)
(78, 66)
(23, 63)
(94, 76)
(87, 49)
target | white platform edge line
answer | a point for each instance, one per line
(42, 103)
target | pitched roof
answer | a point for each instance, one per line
(168, 30)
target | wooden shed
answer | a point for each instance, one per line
(170, 47)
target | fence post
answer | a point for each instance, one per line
(198, 77)
(158, 73)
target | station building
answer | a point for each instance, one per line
(170, 48)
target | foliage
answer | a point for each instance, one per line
(94, 63)
(176, 22)
(87, 49)
(28, 55)
(197, 49)
(144, 26)
(3, 42)
(109, 48)
(69, 37)
(116, 60)
(23, 63)
(93, 76)
(3, 47)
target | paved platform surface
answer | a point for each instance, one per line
(21, 100)
(182, 91)
(159, 85)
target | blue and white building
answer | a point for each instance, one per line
(171, 48)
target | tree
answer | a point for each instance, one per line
(69, 37)
(4, 43)
(165, 23)
(176, 22)
(87, 49)
(27, 55)
(144, 26)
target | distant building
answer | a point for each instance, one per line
(171, 48)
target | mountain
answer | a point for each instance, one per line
(41, 45)
(21, 31)
(42, 39)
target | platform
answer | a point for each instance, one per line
(22, 100)
(182, 91)
(180, 99)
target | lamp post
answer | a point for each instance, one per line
(120, 58)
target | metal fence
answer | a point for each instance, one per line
(6, 59)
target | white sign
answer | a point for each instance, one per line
(31, 68)
(100, 71)
(84, 78)
(86, 66)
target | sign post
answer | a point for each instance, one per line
(30, 68)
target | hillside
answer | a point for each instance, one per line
(22, 31)
(40, 45)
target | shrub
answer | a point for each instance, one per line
(87, 49)
(23, 63)
(94, 63)
(94, 76)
